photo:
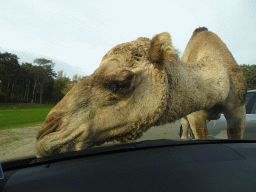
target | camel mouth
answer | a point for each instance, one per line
(73, 146)
(123, 134)
(58, 142)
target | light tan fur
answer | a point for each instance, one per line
(203, 46)
(138, 84)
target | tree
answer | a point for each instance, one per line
(42, 74)
(8, 63)
(59, 85)
(250, 75)
(9, 73)
(26, 70)
(70, 84)
(19, 83)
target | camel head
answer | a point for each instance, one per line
(126, 95)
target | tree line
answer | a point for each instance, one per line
(250, 75)
(27, 83)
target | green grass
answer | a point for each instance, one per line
(19, 115)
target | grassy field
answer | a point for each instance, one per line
(20, 115)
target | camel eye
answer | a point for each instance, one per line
(121, 85)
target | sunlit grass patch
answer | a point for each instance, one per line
(22, 115)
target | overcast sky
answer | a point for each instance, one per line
(80, 32)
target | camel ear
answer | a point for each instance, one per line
(161, 50)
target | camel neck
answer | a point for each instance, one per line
(193, 87)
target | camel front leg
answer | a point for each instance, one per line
(236, 122)
(197, 121)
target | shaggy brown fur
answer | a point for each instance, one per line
(202, 44)
(138, 84)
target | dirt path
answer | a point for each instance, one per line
(20, 143)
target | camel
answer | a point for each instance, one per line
(138, 84)
(233, 107)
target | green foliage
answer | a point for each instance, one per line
(250, 75)
(42, 74)
(58, 87)
(47, 66)
(26, 82)
(9, 66)
(70, 84)
(31, 83)
(67, 88)
(27, 66)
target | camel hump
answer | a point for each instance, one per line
(199, 29)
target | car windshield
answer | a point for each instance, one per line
(86, 74)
